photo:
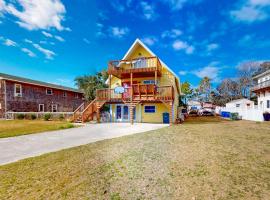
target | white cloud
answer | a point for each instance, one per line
(183, 73)
(59, 38)
(208, 71)
(148, 10)
(48, 53)
(28, 52)
(2, 6)
(118, 32)
(149, 40)
(118, 6)
(181, 45)
(175, 4)
(251, 11)
(86, 41)
(47, 34)
(28, 41)
(212, 46)
(38, 14)
(9, 42)
(190, 49)
(174, 33)
(68, 29)
(178, 45)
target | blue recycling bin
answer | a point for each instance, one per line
(166, 118)
(225, 114)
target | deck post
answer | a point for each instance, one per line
(156, 77)
(170, 112)
(131, 85)
(98, 115)
(131, 114)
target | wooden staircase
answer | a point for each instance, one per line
(87, 112)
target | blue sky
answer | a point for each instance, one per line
(57, 40)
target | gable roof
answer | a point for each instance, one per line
(138, 41)
(39, 83)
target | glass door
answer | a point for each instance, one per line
(118, 112)
(125, 113)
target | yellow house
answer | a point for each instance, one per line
(141, 89)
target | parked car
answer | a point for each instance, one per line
(206, 112)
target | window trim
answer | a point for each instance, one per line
(15, 93)
(155, 110)
(47, 91)
(76, 96)
(39, 107)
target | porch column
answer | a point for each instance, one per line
(131, 116)
(170, 112)
(131, 85)
(156, 77)
(98, 115)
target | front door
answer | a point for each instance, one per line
(123, 114)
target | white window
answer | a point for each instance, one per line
(149, 109)
(41, 108)
(17, 90)
(76, 95)
(147, 82)
(49, 91)
(65, 94)
(268, 103)
(54, 108)
(237, 105)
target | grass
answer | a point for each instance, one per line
(10, 128)
(204, 158)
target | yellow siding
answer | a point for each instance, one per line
(154, 117)
(141, 116)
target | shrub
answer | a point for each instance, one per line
(67, 126)
(33, 116)
(61, 117)
(20, 116)
(47, 117)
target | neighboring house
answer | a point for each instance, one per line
(141, 88)
(241, 104)
(194, 105)
(262, 89)
(19, 94)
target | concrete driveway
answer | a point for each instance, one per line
(16, 148)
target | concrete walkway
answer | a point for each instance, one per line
(16, 148)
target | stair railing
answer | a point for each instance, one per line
(78, 112)
(89, 110)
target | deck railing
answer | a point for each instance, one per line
(143, 64)
(137, 92)
(261, 85)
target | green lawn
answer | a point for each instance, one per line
(205, 158)
(10, 128)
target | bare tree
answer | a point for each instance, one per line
(245, 72)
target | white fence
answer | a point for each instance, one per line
(252, 114)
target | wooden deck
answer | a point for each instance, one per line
(139, 67)
(142, 93)
(261, 87)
